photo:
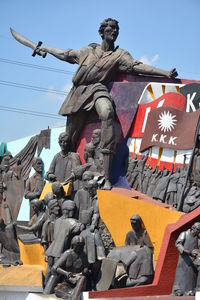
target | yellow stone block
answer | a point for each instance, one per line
(21, 278)
(32, 255)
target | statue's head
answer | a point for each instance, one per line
(89, 151)
(68, 208)
(136, 222)
(109, 30)
(96, 136)
(92, 186)
(195, 228)
(54, 207)
(87, 176)
(57, 188)
(37, 205)
(37, 164)
(64, 141)
(77, 243)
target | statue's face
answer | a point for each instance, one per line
(96, 137)
(78, 247)
(110, 32)
(135, 224)
(85, 180)
(38, 165)
(64, 143)
(56, 210)
(195, 230)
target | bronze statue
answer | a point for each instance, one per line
(140, 168)
(192, 199)
(155, 177)
(9, 248)
(73, 267)
(132, 264)
(98, 66)
(89, 152)
(138, 235)
(6, 158)
(93, 248)
(172, 190)
(65, 228)
(186, 273)
(35, 183)
(98, 156)
(35, 224)
(86, 199)
(48, 226)
(146, 178)
(63, 162)
(58, 192)
(160, 190)
(131, 167)
(17, 169)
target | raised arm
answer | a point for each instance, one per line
(128, 64)
(152, 71)
(69, 55)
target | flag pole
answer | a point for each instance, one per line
(181, 200)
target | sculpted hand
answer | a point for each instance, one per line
(41, 51)
(173, 73)
(52, 177)
(195, 252)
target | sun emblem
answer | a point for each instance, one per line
(166, 121)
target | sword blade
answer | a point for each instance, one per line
(21, 39)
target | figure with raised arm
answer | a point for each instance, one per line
(97, 67)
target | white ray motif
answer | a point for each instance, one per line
(166, 121)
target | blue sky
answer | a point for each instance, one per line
(163, 33)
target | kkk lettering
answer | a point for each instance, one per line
(192, 95)
(162, 139)
(165, 129)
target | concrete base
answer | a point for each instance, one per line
(32, 296)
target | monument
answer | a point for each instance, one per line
(107, 235)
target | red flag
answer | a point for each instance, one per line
(168, 99)
(171, 128)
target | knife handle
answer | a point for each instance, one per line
(43, 53)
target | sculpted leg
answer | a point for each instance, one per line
(105, 112)
(74, 127)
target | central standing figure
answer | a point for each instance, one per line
(98, 66)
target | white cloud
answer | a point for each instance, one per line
(149, 61)
(56, 97)
(67, 87)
